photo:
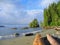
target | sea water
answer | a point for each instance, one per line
(8, 31)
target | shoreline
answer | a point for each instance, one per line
(20, 35)
(26, 40)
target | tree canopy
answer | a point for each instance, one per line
(52, 15)
(34, 24)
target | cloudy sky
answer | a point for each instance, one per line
(22, 11)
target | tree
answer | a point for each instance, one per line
(34, 24)
(52, 15)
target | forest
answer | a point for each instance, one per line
(52, 15)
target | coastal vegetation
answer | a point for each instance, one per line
(34, 24)
(52, 15)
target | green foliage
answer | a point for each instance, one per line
(34, 24)
(41, 24)
(52, 15)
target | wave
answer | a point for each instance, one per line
(34, 32)
(22, 34)
(7, 36)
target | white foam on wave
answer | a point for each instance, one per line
(7, 36)
(0, 37)
(34, 32)
(23, 34)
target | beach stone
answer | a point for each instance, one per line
(17, 34)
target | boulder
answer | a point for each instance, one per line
(16, 34)
(29, 34)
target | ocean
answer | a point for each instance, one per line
(7, 31)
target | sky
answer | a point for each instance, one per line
(22, 11)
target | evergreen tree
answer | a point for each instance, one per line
(52, 15)
(34, 24)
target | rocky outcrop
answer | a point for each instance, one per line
(25, 28)
(14, 28)
(2, 26)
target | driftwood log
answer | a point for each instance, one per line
(29, 34)
(58, 29)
